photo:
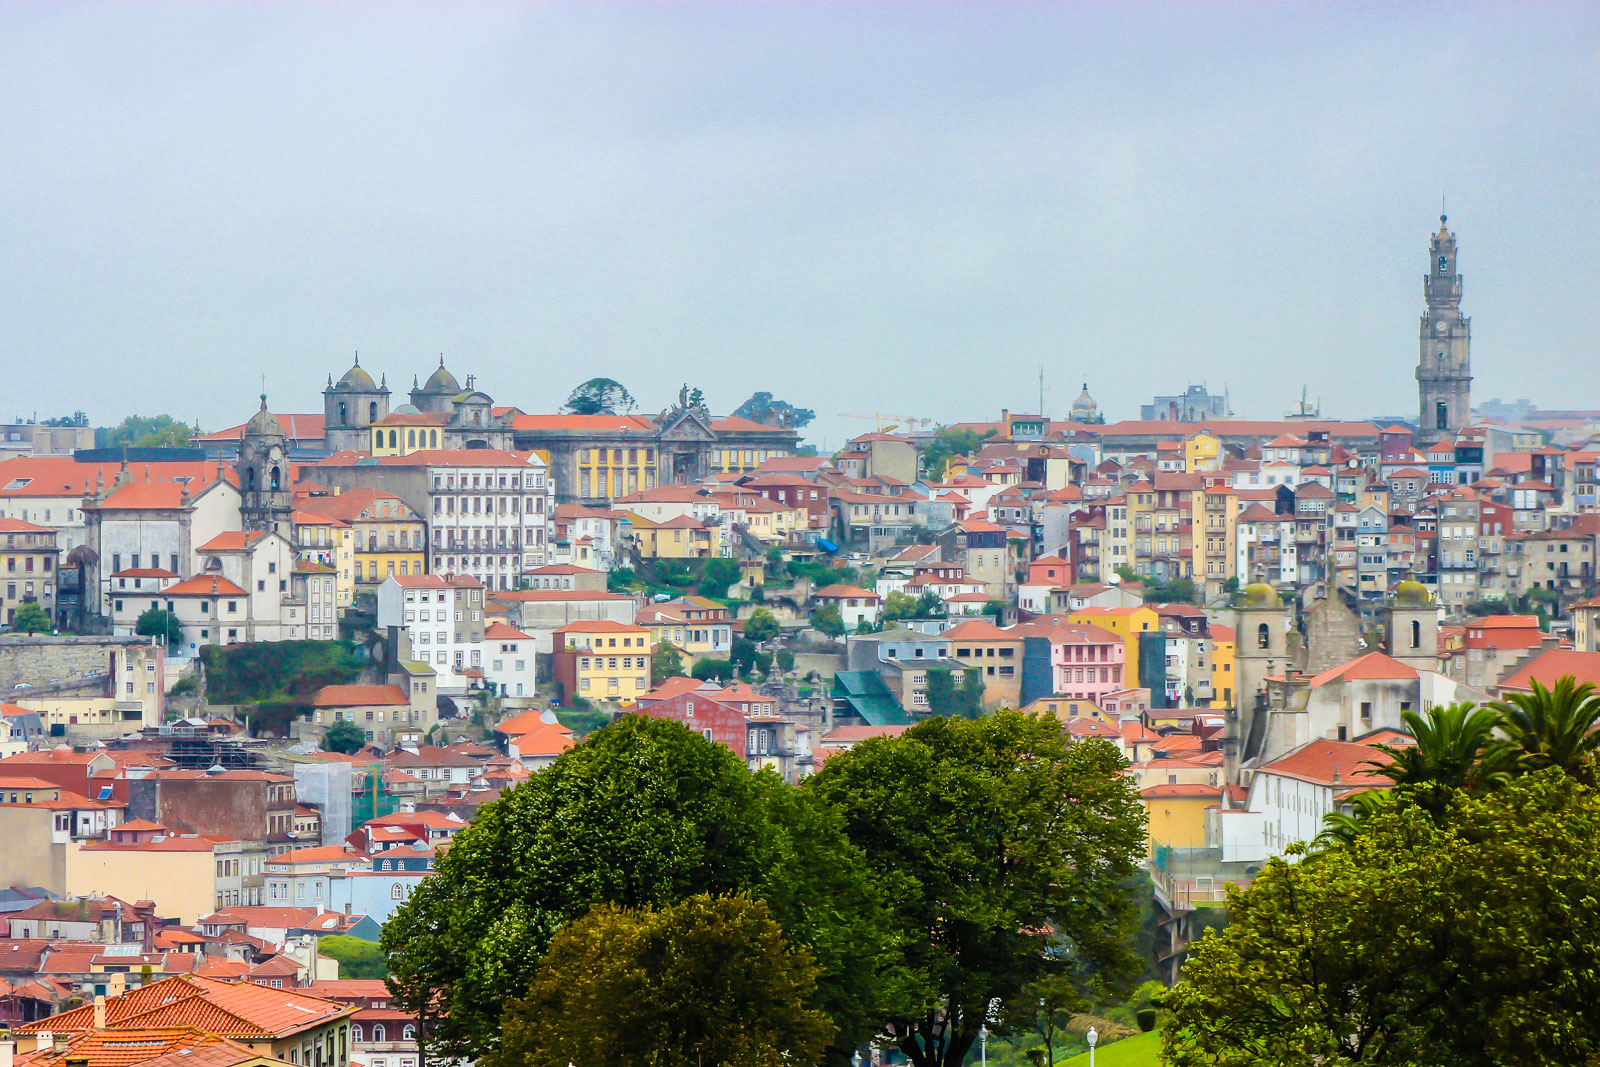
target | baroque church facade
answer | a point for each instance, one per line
(441, 414)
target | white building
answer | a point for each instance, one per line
(509, 664)
(442, 614)
(490, 513)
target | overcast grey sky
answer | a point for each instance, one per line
(902, 208)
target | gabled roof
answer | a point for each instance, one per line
(1551, 665)
(977, 630)
(238, 1010)
(1329, 763)
(358, 696)
(834, 592)
(204, 585)
(1374, 666)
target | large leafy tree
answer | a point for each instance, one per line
(344, 736)
(762, 625)
(948, 442)
(828, 620)
(159, 431)
(707, 980)
(1470, 939)
(600, 396)
(30, 618)
(761, 407)
(665, 662)
(1004, 847)
(644, 813)
(1449, 743)
(158, 622)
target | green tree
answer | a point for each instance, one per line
(942, 692)
(158, 622)
(1230, 585)
(762, 408)
(344, 736)
(1468, 940)
(785, 660)
(1445, 755)
(828, 620)
(898, 605)
(1552, 728)
(356, 958)
(1045, 1008)
(774, 562)
(929, 605)
(762, 625)
(30, 618)
(600, 396)
(971, 694)
(665, 662)
(1004, 847)
(716, 575)
(948, 442)
(620, 580)
(644, 813)
(160, 431)
(707, 669)
(707, 980)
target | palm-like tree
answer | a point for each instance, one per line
(1551, 728)
(1339, 828)
(1450, 743)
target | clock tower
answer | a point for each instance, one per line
(1444, 363)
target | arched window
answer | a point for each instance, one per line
(1416, 634)
(411, 439)
(433, 436)
(275, 479)
(394, 438)
(1263, 636)
(409, 1033)
(344, 414)
(372, 411)
(250, 479)
(397, 892)
(356, 1033)
(1444, 265)
(378, 1033)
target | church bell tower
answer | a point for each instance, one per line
(1444, 363)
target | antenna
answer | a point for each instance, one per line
(1041, 390)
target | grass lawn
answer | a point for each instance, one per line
(1140, 1050)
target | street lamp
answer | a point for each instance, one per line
(983, 1045)
(855, 1058)
(1092, 1037)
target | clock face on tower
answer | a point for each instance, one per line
(1441, 326)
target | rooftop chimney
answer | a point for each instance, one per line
(100, 1011)
(8, 1048)
(43, 1041)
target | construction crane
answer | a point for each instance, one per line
(911, 421)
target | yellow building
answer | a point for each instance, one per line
(325, 539)
(996, 654)
(28, 556)
(1127, 624)
(401, 433)
(186, 875)
(1224, 681)
(1176, 813)
(1201, 452)
(1215, 538)
(675, 538)
(602, 660)
(387, 536)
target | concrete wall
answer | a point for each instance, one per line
(30, 857)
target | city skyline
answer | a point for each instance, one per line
(901, 211)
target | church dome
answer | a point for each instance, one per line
(1259, 595)
(263, 423)
(1084, 406)
(1411, 595)
(441, 381)
(356, 378)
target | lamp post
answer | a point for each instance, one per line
(983, 1045)
(1092, 1037)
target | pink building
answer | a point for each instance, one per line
(1065, 659)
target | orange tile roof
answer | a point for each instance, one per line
(600, 626)
(228, 1009)
(356, 696)
(977, 630)
(204, 585)
(1552, 665)
(838, 591)
(232, 541)
(1325, 762)
(1372, 666)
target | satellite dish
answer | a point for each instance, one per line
(1115, 579)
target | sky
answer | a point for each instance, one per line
(907, 209)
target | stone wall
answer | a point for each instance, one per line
(60, 663)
